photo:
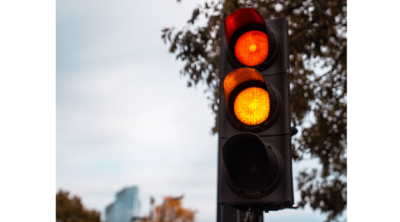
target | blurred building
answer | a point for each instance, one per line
(125, 206)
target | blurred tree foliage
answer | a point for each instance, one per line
(318, 64)
(71, 209)
(170, 210)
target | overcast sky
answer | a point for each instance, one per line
(124, 114)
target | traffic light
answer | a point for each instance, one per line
(254, 158)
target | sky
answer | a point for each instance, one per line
(124, 114)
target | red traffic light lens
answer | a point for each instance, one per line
(251, 48)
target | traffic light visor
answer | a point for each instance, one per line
(239, 19)
(251, 48)
(237, 77)
(249, 164)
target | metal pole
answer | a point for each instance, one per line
(227, 213)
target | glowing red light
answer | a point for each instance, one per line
(251, 48)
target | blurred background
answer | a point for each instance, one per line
(125, 116)
(94, 39)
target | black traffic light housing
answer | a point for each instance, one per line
(255, 162)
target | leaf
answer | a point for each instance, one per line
(196, 13)
(71, 209)
(171, 210)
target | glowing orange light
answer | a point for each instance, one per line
(252, 106)
(251, 48)
(237, 77)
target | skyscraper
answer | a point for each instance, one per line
(125, 206)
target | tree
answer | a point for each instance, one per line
(171, 210)
(318, 83)
(71, 209)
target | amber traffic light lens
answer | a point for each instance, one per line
(252, 106)
(251, 48)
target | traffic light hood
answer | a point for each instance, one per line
(239, 76)
(253, 168)
(252, 103)
(251, 42)
(242, 18)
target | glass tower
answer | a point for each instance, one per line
(125, 206)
